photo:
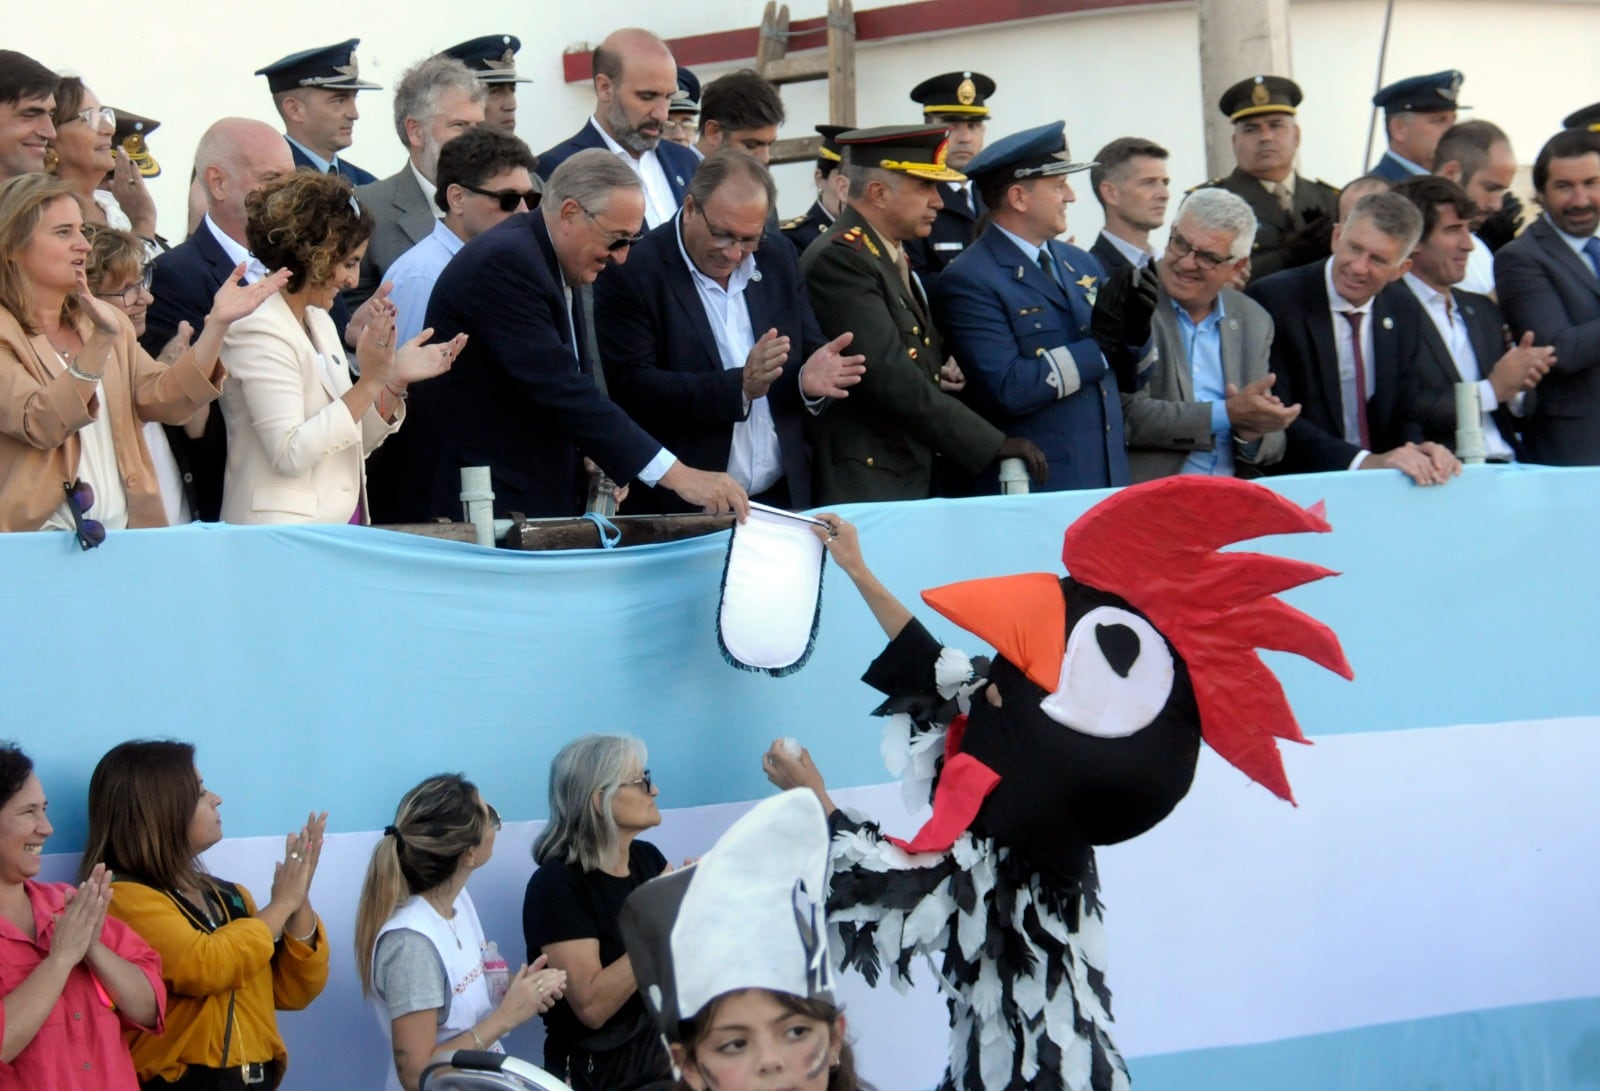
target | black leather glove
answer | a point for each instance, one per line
(1121, 320)
(1032, 457)
(1501, 228)
(1311, 242)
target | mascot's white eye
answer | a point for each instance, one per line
(1115, 677)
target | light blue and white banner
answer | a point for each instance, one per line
(1421, 920)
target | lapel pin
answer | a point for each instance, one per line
(1388, 323)
(755, 277)
(1233, 323)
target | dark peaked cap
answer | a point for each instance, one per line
(331, 67)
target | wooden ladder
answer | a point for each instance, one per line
(836, 64)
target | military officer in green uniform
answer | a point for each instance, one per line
(881, 442)
(1294, 214)
(805, 229)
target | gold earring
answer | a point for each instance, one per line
(52, 160)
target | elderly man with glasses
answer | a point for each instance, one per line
(1207, 404)
(710, 341)
(523, 398)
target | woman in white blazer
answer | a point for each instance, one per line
(299, 430)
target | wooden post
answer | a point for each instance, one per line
(1238, 38)
(841, 63)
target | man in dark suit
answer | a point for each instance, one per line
(436, 100)
(1549, 281)
(1207, 405)
(959, 101)
(1338, 349)
(1293, 213)
(697, 331)
(1017, 309)
(1416, 113)
(635, 79)
(831, 184)
(1130, 181)
(234, 157)
(522, 397)
(1463, 335)
(315, 93)
(882, 441)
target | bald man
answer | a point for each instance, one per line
(635, 77)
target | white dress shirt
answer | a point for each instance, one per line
(1349, 396)
(659, 203)
(254, 270)
(1480, 270)
(428, 190)
(1442, 309)
(1137, 257)
(755, 460)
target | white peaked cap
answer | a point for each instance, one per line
(749, 915)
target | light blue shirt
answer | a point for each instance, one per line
(1202, 344)
(323, 165)
(413, 275)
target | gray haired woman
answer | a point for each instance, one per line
(590, 859)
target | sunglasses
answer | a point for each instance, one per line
(130, 295)
(80, 498)
(494, 816)
(643, 783)
(510, 199)
(617, 242)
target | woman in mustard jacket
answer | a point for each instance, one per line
(228, 965)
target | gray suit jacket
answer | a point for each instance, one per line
(1164, 422)
(404, 218)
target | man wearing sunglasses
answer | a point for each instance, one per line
(710, 341)
(1206, 405)
(523, 397)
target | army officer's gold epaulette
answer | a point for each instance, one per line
(1211, 184)
(856, 238)
(790, 225)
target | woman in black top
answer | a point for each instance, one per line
(599, 1036)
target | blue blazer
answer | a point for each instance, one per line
(1391, 168)
(1305, 358)
(662, 364)
(1000, 315)
(519, 399)
(1546, 288)
(356, 175)
(678, 162)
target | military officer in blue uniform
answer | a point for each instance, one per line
(959, 100)
(315, 93)
(494, 58)
(832, 186)
(1416, 112)
(1294, 214)
(1031, 320)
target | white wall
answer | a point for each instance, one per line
(1108, 74)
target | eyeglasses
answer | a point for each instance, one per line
(96, 117)
(618, 242)
(725, 240)
(643, 783)
(494, 816)
(686, 127)
(1182, 248)
(509, 199)
(130, 295)
(80, 498)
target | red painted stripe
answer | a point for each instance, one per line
(875, 24)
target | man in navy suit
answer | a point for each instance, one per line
(635, 79)
(697, 330)
(1463, 335)
(1018, 310)
(315, 93)
(1130, 181)
(522, 397)
(1549, 280)
(1416, 113)
(234, 157)
(1338, 349)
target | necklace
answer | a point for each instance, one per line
(450, 920)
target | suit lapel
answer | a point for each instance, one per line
(416, 218)
(688, 297)
(1578, 268)
(1319, 329)
(216, 257)
(1231, 345)
(1024, 269)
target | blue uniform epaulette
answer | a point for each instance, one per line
(791, 224)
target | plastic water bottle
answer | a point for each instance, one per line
(496, 974)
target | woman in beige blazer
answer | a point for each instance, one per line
(74, 384)
(299, 429)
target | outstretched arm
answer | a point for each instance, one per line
(844, 546)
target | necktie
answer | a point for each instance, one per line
(1049, 266)
(1592, 248)
(1354, 317)
(904, 270)
(966, 197)
(333, 168)
(1285, 199)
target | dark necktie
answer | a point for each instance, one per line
(589, 344)
(1047, 263)
(1354, 318)
(1592, 248)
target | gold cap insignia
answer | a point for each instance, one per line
(967, 92)
(1259, 95)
